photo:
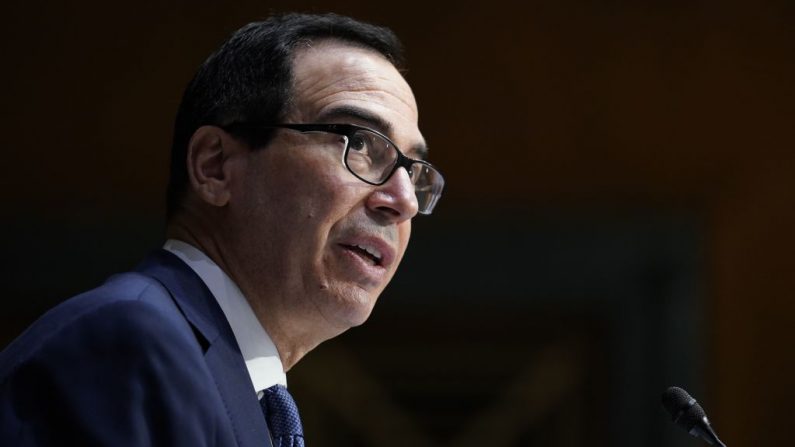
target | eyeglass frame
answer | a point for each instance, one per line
(347, 130)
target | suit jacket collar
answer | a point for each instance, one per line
(221, 351)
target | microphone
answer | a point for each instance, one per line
(688, 414)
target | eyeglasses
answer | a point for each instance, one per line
(372, 158)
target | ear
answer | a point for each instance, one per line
(210, 154)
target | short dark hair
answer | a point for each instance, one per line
(249, 78)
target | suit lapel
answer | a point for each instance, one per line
(222, 353)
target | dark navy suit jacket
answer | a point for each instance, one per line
(147, 358)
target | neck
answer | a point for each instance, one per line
(290, 329)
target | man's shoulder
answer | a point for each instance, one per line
(123, 363)
(130, 312)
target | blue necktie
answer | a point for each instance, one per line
(281, 414)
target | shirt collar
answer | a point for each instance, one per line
(260, 354)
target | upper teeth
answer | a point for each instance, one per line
(372, 251)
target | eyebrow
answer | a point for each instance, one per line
(372, 121)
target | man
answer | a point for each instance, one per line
(290, 208)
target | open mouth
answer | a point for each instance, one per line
(369, 254)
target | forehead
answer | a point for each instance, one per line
(333, 80)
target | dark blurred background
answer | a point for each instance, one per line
(618, 216)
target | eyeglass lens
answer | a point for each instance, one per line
(372, 158)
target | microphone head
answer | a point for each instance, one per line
(688, 414)
(684, 410)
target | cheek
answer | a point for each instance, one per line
(404, 234)
(321, 198)
(295, 186)
(307, 195)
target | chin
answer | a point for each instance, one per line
(353, 308)
(359, 319)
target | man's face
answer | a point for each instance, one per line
(302, 223)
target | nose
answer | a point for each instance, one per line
(395, 199)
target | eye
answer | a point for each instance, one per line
(359, 142)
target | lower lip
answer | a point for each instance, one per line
(365, 267)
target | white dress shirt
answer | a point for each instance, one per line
(260, 354)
